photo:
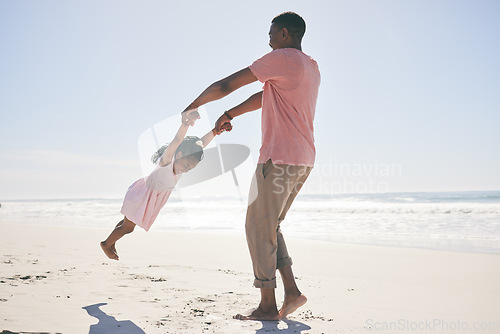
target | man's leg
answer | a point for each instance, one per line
(262, 243)
(293, 297)
(262, 230)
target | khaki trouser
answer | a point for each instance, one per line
(272, 192)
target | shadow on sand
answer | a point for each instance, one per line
(108, 324)
(292, 327)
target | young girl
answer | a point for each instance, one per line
(146, 196)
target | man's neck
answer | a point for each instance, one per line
(294, 46)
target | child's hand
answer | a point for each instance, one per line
(189, 117)
(226, 127)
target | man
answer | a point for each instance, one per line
(291, 81)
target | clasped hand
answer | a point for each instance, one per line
(223, 124)
(189, 117)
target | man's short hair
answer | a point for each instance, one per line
(293, 22)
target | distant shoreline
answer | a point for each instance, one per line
(301, 196)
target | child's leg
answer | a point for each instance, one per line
(113, 248)
(108, 246)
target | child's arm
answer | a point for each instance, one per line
(169, 153)
(206, 139)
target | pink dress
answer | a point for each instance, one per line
(146, 196)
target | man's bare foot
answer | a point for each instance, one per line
(291, 304)
(259, 314)
(109, 251)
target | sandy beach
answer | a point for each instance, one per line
(57, 280)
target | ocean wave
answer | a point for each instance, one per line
(446, 220)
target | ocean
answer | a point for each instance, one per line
(453, 221)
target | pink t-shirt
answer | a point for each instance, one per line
(291, 82)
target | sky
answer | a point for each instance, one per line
(408, 99)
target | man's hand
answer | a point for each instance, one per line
(189, 117)
(226, 127)
(221, 122)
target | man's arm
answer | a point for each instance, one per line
(223, 87)
(254, 102)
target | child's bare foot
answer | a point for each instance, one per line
(109, 251)
(291, 304)
(113, 248)
(259, 314)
